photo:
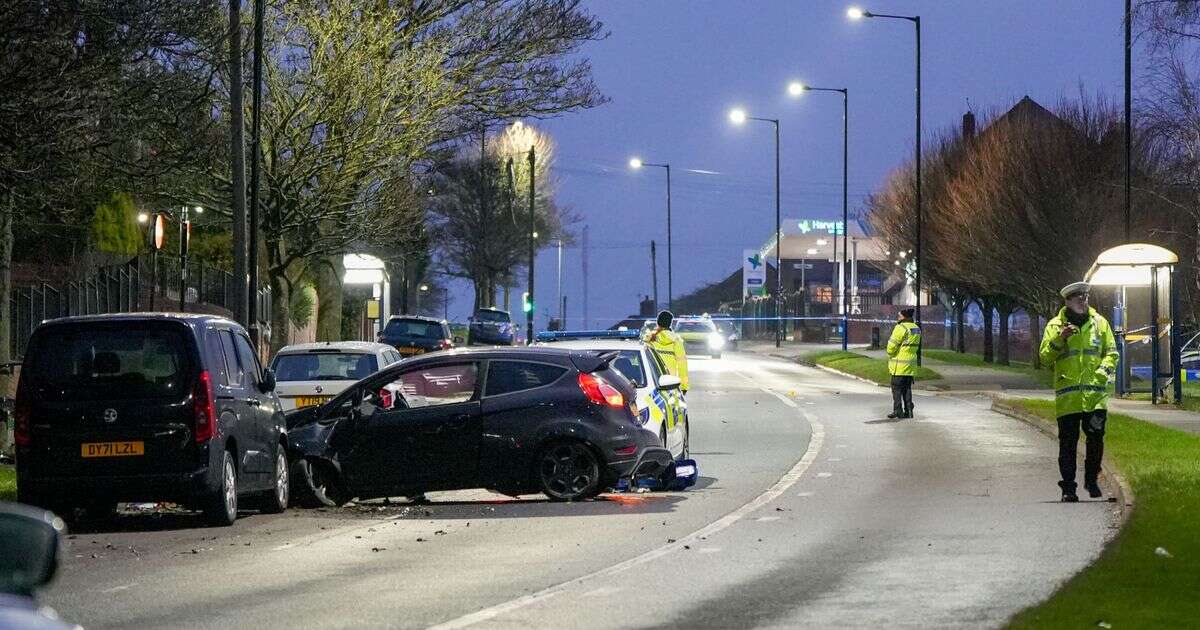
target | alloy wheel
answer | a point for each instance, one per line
(569, 471)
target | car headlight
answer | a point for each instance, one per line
(715, 341)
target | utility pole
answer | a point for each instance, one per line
(255, 169)
(237, 158)
(585, 277)
(529, 309)
(654, 271)
(1128, 120)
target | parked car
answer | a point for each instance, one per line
(660, 408)
(413, 334)
(148, 407)
(29, 549)
(491, 327)
(700, 336)
(310, 374)
(515, 420)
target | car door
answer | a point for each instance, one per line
(261, 407)
(518, 400)
(427, 438)
(675, 414)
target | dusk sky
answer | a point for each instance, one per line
(673, 69)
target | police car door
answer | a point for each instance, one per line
(669, 400)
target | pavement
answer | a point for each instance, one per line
(996, 382)
(812, 510)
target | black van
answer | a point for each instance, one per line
(148, 407)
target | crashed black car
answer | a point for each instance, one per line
(514, 420)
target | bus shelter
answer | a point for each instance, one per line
(1145, 296)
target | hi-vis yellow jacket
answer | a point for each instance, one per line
(902, 349)
(1084, 364)
(670, 347)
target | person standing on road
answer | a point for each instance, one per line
(1079, 343)
(902, 349)
(669, 346)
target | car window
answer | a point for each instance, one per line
(505, 377)
(438, 385)
(413, 328)
(629, 364)
(216, 358)
(493, 317)
(89, 362)
(249, 362)
(694, 327)
(236, 375)
(659, 363)
(653, 366)
(325, 366)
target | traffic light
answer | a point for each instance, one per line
(526, 303)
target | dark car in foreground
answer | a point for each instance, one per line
(148, 407)
(412, 334)
(518, 421)
(491, 327)
(29, 549)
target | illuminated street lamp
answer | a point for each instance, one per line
(636, 163)
(738, 116)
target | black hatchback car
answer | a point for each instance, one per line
(148, 407)
(518, 421)
(411, 334)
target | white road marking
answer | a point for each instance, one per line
(765, 519)
(824, 475)
(788, 480)
(834, 459)
(117, 589)
(804, 494)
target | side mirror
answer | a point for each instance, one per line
(458, 339)
(669, 381)
(29, 545)
(268, 381)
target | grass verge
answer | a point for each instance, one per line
(862, 366)
(8, 483)
(1131, 585)
(1043, 377)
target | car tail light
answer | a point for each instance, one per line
(626, 450)
(385, 399)
(23, 416)
(445, 344)
(600, 392)
(204, 409)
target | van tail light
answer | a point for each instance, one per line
(445, 344)
(204, 409)
(23, 416)
(599, 391)
(386, 399)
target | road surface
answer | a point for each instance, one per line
(812, 511)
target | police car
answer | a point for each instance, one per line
(661, 407)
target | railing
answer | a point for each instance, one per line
(145, 283)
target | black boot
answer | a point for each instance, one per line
(1093, 489)
(894, 415)
(1068, 492)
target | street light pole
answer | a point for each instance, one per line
(796, 89)
(1128, 121)
(856, 13)
(252, 313)
(532, 247)
(738, 117)
(636, 163)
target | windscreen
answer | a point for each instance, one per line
(493, 317)
(106, 362)
(326, 366)
(695, 327)
(629, 364)
(413, 328)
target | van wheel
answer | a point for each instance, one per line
(101, 511)
(221, 508)
(568, 471)
(276, 499)
(313, 486)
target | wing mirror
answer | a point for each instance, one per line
(669, 381)
(268, 381)
(458, 340)
(29, 546)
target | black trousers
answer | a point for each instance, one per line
(1092, 423)
(902, 395)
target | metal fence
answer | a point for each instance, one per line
(145, 283)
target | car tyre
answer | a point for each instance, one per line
(568, 471)
(314, 486)
(221, 508)
(276, 499)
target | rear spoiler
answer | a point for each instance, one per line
(588, 362)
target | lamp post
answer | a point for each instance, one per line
(635, 164)
(856, 13)
(797, 89)
(738, 117)
(185, 239)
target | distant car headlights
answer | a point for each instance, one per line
(716, 341)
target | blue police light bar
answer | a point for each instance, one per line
(564, 335)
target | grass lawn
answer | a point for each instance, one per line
(1045, 377)
(862, 366)
(1130, 585)
(8, 483)
(1191, 396)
